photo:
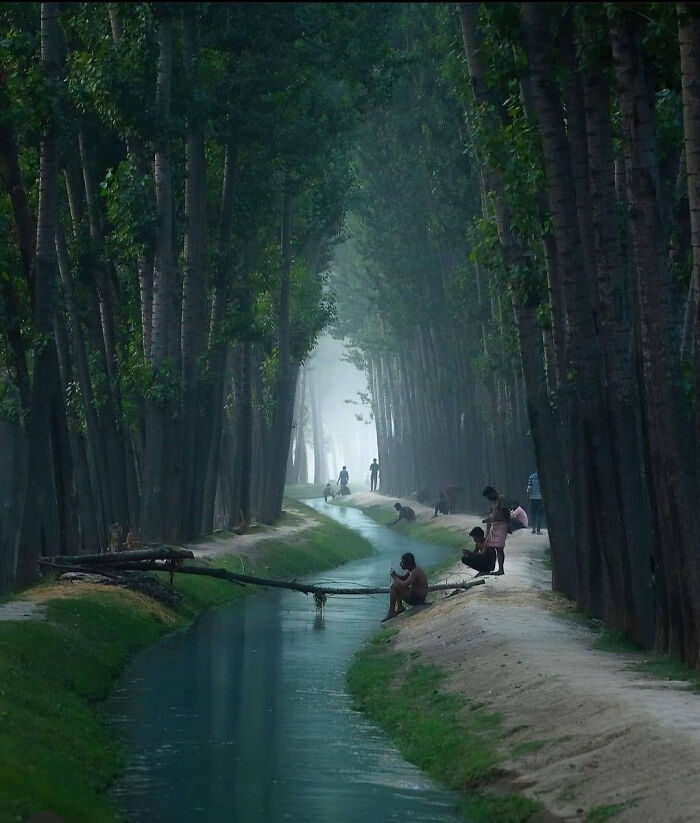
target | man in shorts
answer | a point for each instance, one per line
(483, 558)
(411, 587)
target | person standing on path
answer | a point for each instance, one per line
(534, 502)
(498, 524)
(373, 472)
(343, 478)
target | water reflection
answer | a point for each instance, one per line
(245, 716)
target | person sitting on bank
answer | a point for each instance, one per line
(411, 587)
(482, 558)
(518, 517)
(328, 492)
(441, 506)
(498, 523)
(405, 513)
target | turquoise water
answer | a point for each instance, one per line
(245, 717)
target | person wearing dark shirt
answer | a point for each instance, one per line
(441, 505)
(405, 513)
(343, 478)
(373, 472)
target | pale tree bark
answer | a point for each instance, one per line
(97, 456)
(280, 432)
(209, 443)
(194, 288)
(153, 515)
(40, 529)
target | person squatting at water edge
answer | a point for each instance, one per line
(483, 557)
(411, 587)
(405, 513)
(498, 523)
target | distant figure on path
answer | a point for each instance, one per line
(373, 472)
(328, 492)
(483, 557)
(451, 493)
(498, 524)
(518, 517)
(441, 506)
(343, 478)
(405, 513)
(411, 587)
(534, 502)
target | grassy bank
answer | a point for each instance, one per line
(56, 752)
(446, 735)
(304, 491)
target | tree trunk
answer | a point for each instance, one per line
(40, 526)
(160, 403)
(194, 292)
(667, 432)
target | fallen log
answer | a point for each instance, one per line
(242, 579)
(114, 558)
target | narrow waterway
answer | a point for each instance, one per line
(245, 716)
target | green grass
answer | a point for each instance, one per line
(611, 640)
(56, 751)
(599, 814)
(439, 732)
(304, 491)
(527, 747)
(655, 665)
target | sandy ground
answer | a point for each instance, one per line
(609, 735)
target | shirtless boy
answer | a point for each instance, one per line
(410, 587)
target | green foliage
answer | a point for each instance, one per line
(599, 814)
(434, 729)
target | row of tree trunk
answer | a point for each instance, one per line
(615, 453)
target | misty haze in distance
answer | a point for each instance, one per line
(347, 440)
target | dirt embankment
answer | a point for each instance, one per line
(584, 732)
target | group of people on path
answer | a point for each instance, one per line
(489, 546)
(344, 479)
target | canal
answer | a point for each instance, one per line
(245, 716)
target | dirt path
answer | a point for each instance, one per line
(597, 732)
(32, 605)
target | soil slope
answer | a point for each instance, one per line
(585, 732)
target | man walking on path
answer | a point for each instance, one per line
(373, 472)
(534, 502)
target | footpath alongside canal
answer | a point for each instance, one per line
(589, 727)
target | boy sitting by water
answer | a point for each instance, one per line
(410, 587)
(483, 558)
